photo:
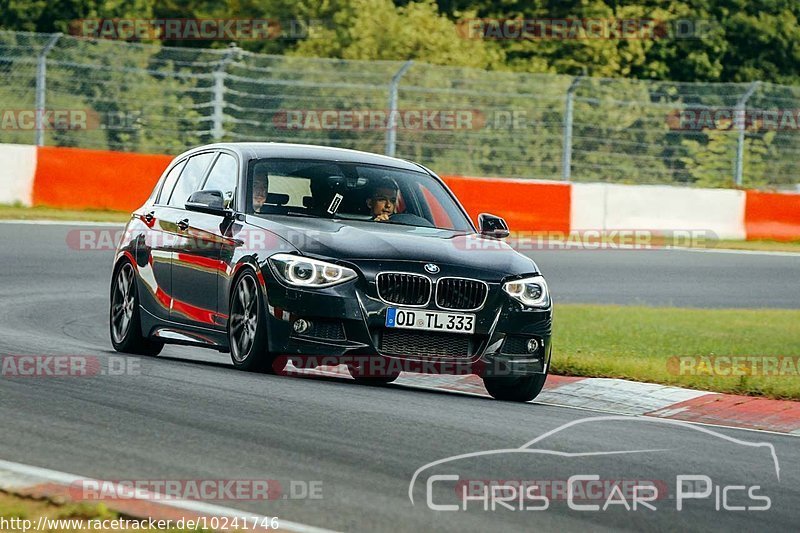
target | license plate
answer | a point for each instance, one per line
(430, 320)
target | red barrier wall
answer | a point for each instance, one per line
(525, 205)
(95, 179)
(769, 215)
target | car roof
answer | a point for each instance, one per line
(258, 150)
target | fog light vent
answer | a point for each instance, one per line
(521, 345)
(301, 326)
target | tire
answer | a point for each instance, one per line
(125, 324)
(359, 370)
(247, 326)
(515, 389)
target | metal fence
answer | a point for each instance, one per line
(149, 98)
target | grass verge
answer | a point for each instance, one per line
(691, 348)
(73, 517)
(16, 212)
(756, 246)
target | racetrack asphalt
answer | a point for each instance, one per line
(672, 278)
(188, 415)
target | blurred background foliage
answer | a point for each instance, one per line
(621, 130)
(742, 40)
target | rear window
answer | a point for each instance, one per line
(169, 182)
(190, 179)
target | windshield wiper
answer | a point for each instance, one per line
(357, 219)
(295, 214)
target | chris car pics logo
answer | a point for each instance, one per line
(446, 490)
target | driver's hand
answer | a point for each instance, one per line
(382, 217)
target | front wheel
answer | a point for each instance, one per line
(125, 321)
(515, 389)
(247, 328)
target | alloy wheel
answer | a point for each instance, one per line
(244, 318)
(122, 304)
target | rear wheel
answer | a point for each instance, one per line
(247, 328)
(125, 321)
(515, 388)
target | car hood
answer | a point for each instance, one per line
(359, 241)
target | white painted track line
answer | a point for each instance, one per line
(17, 475)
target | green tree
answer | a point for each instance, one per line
(727, 40)
(57, 15)
(376, 29)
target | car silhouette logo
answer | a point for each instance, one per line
(430, 268)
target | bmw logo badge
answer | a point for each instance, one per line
(430, 268)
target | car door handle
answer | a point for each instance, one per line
(183, 225)
(150, 217)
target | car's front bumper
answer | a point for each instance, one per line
(349, 320)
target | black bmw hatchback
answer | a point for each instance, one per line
(283, 253)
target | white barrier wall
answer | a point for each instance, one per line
(587, 206)
(17, 169)
(657, 207)
(578, 206)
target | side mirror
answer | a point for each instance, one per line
(211, 202)
(492, 226)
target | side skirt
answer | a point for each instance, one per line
(181, 334)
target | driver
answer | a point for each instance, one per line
(382, 200)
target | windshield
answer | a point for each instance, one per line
(351, 191)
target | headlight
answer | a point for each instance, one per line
(306, 272)
(531, 292)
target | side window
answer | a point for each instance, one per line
(278, 186)
(190, 179)
(223, 177)
(169, 182)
